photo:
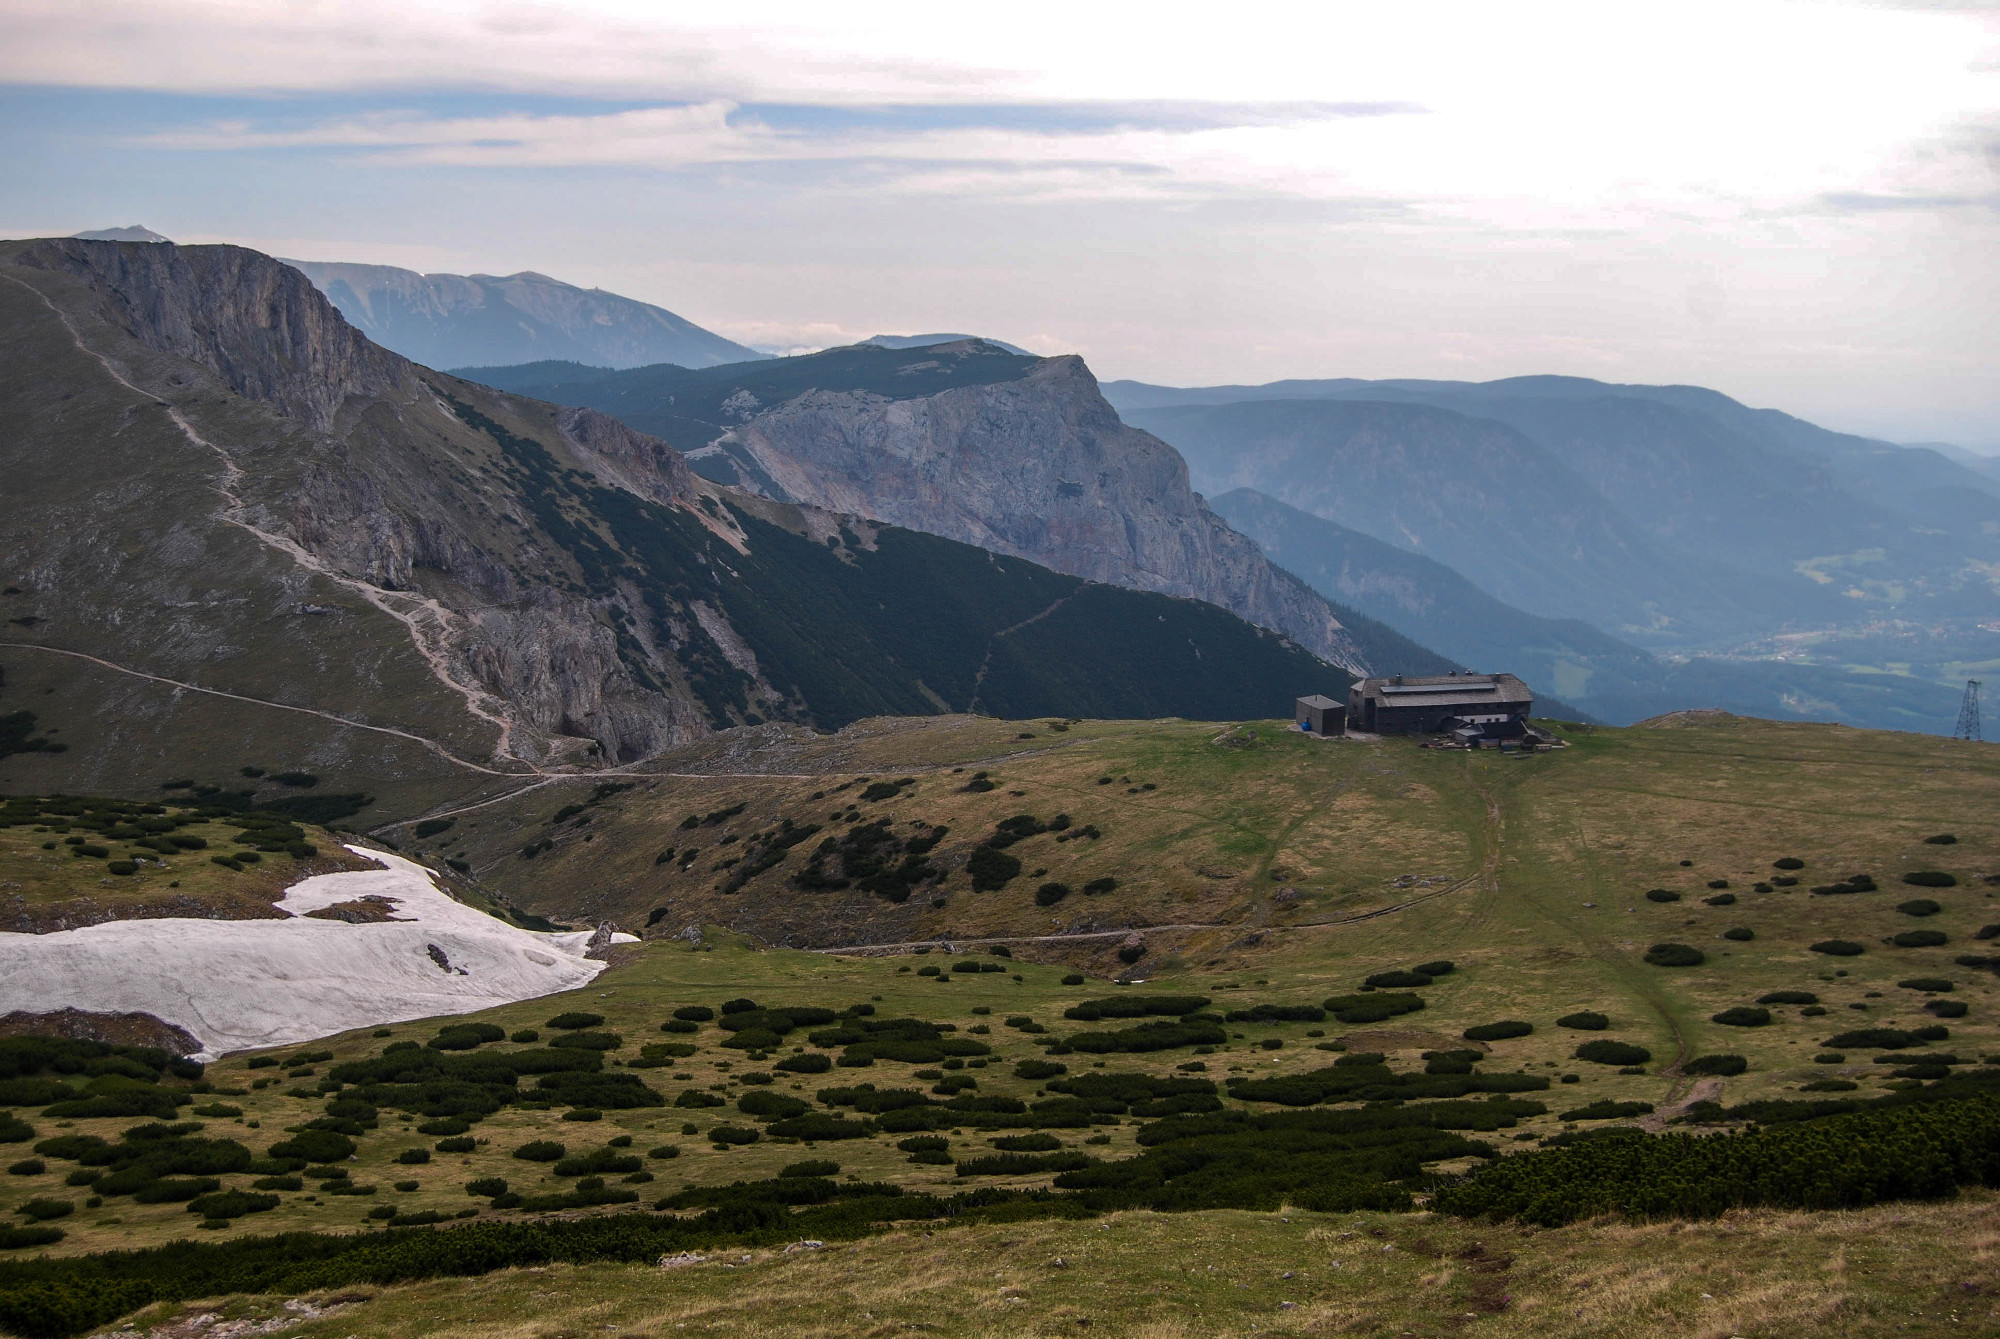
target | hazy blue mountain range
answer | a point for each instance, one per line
(1567, 661)
(449, 320)
(1672, 517)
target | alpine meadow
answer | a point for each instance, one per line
(868, 673)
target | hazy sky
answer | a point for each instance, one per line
(1796, 203)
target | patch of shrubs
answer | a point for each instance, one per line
(1741, 934)
(1946, 1008)
(811, 1167)
(1720, 900)
(1608, 1052)
(1606, 1109)
(1919, 939)
(1926, 983)
(1024, 1164)
(1136, 1006)
(1662, 895)
(1372, 1008)
(1789, 997)
(1724, 1066)
(1498, 1031)
(1788, 862)
(1742, 1015)
(1838, 948)
(1585, 1020)
(1930, 878)
(808, 1063)
(1919, 906)
(575, 1021)
(1164, 1035)
(544, 1150)
(1675, 955)
(1844, 1161)
(1885, 1039)
(1277, 1013)
(1036, 1070)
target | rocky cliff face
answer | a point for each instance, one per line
(1042, 468)
(369, 480)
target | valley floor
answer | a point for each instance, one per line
(1900, 1269)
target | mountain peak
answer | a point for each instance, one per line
(133, 233)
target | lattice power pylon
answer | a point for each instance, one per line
(1968, 713)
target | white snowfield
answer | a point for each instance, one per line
(237, 985)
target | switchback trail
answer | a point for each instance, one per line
(430, 744)
(427, 621)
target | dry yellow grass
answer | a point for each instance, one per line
(1895, 1270)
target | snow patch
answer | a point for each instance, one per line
(237, 985)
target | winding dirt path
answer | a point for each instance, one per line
(430, 744)
(428, 622)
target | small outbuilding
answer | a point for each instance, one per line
(1321, 716)
(1498, 705)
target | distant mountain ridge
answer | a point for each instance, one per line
(456, 320)
(1575, 669)
(1672, 517)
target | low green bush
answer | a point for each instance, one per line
(1073, 979)
(1720, 900)
(811, 1167)
(1036, 1070)
(1662, 895)
(1946, 1008)
(1926, 983)
(1930, 878)
(1919, 939)
(1027, 1143)
(1606, 1109)
(1829, 1086)
(734, 1134)
(1498, 1031)
(923, 1143)
(1372, 1008)
(1788, 862)
(1608, 1052)
(1675, 955)
(1723, 1065)
(414, 1157)
(1397, 980)
(808, 1063)
(1789, 997)
(27, 1167)
(1585, 1020)
(16, 1238)
(1919, 906)
(1742, 1015)
(544, 1150)
(463, 1143)
(1024, 1164)
(1838, 948)
(1740, 934)
(575, 1021)
(1881, 1039)
(41, 1210)
(1051, 893)
(232, 1204)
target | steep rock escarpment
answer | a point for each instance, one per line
(352, 454)
(1041, 468)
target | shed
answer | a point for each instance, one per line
(1431, 704)
(1321, 716)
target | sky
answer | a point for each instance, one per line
(1795, 203)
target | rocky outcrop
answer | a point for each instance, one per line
(1041, 468)
(630, 460)
(253, 321)
(118, 1029)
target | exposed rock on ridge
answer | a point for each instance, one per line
(1041, 468)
